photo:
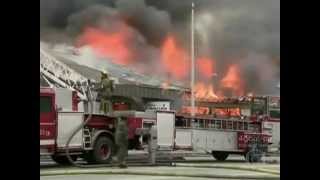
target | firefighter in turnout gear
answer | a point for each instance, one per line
(121, 138)
(105, 88)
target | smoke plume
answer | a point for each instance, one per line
(245, 33)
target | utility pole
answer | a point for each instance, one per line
(192, 64)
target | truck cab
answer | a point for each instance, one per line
(48, 116)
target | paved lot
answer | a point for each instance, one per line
(138, 155)
(122, 177)
(235, 167)
(154, 173)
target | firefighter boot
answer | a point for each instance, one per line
(123, 165)
(114, 161)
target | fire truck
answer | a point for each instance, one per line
(221, 132)
(59, 116)
(64, 107)
(274, 121)
(61, 113)
(230, 126)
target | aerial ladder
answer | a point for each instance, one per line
(58, 74)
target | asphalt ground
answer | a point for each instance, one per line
(137, 156)
(196, 166)
(159, 172)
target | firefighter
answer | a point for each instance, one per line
(260, 115)
(105, 89)
(121, 138)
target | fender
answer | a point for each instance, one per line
(97, 133)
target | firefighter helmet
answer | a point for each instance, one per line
(104, 74)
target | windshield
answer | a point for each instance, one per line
(45, 104)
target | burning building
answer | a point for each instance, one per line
(144, 44)
(133, 89)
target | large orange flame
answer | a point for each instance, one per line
(233, 81)
(203, 91)
(205, 67)
(174, 59)
(113, 45)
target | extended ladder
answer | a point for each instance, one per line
(57, 74)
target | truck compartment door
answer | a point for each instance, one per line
(165, 129)
(67, 123)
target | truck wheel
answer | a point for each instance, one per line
(102, 151)
(220, 156)
(63, 160)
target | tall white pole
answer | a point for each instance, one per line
(192, 63)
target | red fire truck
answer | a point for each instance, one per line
(274, 121)
(230, 126)
(59, 116)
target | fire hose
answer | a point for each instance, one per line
(79, 128)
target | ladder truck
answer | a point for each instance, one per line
(64, 107)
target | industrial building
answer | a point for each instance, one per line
(132, 88)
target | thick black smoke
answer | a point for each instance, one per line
(66, 17)
(245, 32)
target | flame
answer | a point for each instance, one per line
(205, 67)
(115, 45)
(197, 110)
(218, 112)
(112, 45)
(232, 80)
(174, 59)
(203, 91)
(250, 94)
(223, 112)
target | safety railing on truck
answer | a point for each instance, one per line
(217, 124)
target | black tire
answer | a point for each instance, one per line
(220, 156)
(102, 151)
(88, 156)
(63, 160)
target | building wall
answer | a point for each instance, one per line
(143, 94)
